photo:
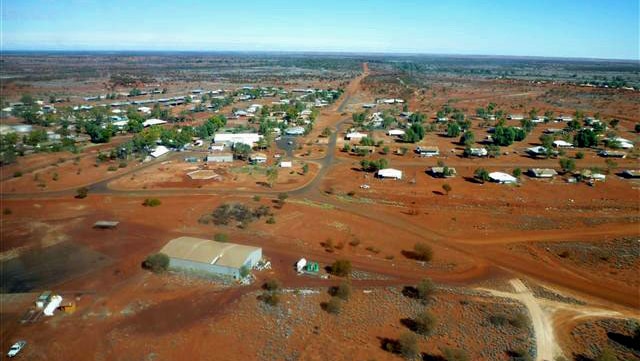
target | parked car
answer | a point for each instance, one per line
(16, 348)
(365, 186)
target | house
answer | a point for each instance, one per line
(389, 173)
(540, 151)
(612, 154)
(552, 131)
(589, 174)
(355, 135)
(564, 118)
(478, 152)
(369, 105)
(443, 172)
(515, 117)
(145, 110)
(376, 119)
(217, 258)
(219, 157)
(159, 151)
(542, 172)
(294, 131)
(621, 142)
(538, 120)
(151, 122)
(288, 164)
(562, 144)
(431, 151)
(442, 119)
(257, 158)
(245, 138)
(631, 173)
(502, 178)
(396, 132)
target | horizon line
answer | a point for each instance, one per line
(324, 52)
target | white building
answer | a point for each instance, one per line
(478, 152)
(502, 178)
(390, 173)
(396, 132)
(159, 151)
(294, 131)
(244, 138)
(355, 135)
(257, 158)
(562, 144)
(153, 121)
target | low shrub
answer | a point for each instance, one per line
(221, 237)
(151, 202)
(157, 263)
(341, 268)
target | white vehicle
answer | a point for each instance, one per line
(16, 348)
(365, 186)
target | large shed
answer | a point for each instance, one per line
(220, 258)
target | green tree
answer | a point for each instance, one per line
(244, 271)
(272, 175)
(586, 138)
(158, 262)
(343, 290)
(241, 150)
(423, 251)
(482, 174)
(408, 346)
(341, 268)
(151, 202)
(425, 289)
(27, 99)
(425, 323)
(334, 305)
(453, 130)
(517, 172)
(546, 140)
(82, 192)
(271, 285)
(567, 164)
(305, 168)
(447, 188)
(468, 138)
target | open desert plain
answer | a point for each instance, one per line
(162, 205)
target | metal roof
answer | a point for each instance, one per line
(207, 251)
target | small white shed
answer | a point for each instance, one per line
(390, 173)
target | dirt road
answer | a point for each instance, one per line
(546, 346)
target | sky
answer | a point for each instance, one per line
(607, 29)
